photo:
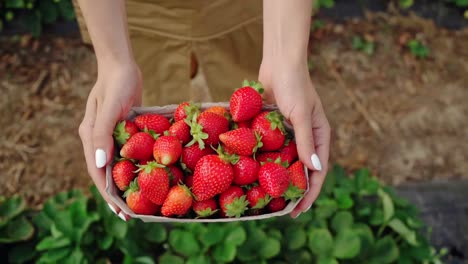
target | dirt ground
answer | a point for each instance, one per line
(405, 118)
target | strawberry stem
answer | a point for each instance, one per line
(149, 166)
(276, 121)
(196, 130)
(237, 207)
(132, 187)
(257, 86)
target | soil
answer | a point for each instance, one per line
(405, 118)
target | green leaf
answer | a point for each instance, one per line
(385, 251)
(183, 242)
(120, 228)
(14, 4)
(269, 248)
(377, 217)
(388, 208)
(325, 208)
(347, 244)
(236, 236)
(409, 235)
(144, 260)
(367, 237)
(66, 10)
(320, 241)
(406, 3)
(326, 260)
(156, 232)
(168, 258)
(212, 237)
(23, 252)
(11, 208)
(275, 233)
(18, 229)
(330, 181)
(295, 237)
(249, 250)
(54, 255)
(105, 242)
(342, 220)
(343, 198)
(49, 12)
(51, 243)
(76, 256)
(199, 260)
(224, 252)
(32, 21)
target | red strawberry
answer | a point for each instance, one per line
(205, 208)
(219, 110)
(289, 151)
(178, 201)
(139, 147)
(298, 181)
(176, 175)
(185, 110)
(245, 171)
(273, 178)
(192, 154)
(213, 175)
(246, 102)
(244, 124)
(124, 130)
(276, 204)
(257, 197)
(270, 126)
(123, 173)
(189, 181)
(167, 150)
(233, 202)
(181, 130)
(207, 128)
(153, 180)
(272, 157)
(155, 122)
(137, 202)
(242, 141)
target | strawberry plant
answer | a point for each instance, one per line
(361, 44)
(14, 225)
(418, 49)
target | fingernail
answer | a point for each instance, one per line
(101, 158)
(297, 215)
(308, 208)
(122, 216)
(112, 208)
(316, 162)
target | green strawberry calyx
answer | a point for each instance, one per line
(148, 167)
(206, 212)
(230, 158)
(262, 202)
(257, 86)
(259, 143)
(196, 130)
(120, 134)
(191, 110)
(237, 207)
(277, 161)
(151, 133)
(293, 193)
(132, 187)
(276, 121)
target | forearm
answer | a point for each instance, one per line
(286, 27)
(106, 21)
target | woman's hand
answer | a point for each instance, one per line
(116, 90)
(289, 85)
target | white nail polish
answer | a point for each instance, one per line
(122, 216)
(298, 215)
(112, 208)
(316, 162)
(308, 208)
(101, 158)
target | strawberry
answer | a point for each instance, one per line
(191, 155)
(246, 102)
(244, 124)
(207, 128)
(298, 181)
(155, 122)
(245, 171)
(137, 202)
(242, 141)
(189, 181)
(233, 202)
(186, 110)
(139, 147)
(276, 204)
(176, 175)
(153, 180)
(167, 150)
(273, 178)
(257, 197)
(123, 173)
(181, 130)
(270, 126)
(272, 157)
(124, 130)
(205, 208)
(178, 201)
(213, 175)
(289, 151)
(220, 111)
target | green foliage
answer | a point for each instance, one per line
(354, 220)
(324, 3)
(418, 49)
(363, 45)
(14, 226)
(33, 14)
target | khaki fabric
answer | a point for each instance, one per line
(224, 35)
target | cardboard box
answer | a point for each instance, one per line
(168, 111)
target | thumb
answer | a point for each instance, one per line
(106, 118)
(302, 124)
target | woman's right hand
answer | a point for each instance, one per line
(117, 89)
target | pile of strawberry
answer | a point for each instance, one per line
(211, 163)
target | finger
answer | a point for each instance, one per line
(302, 123)
(106, 118)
